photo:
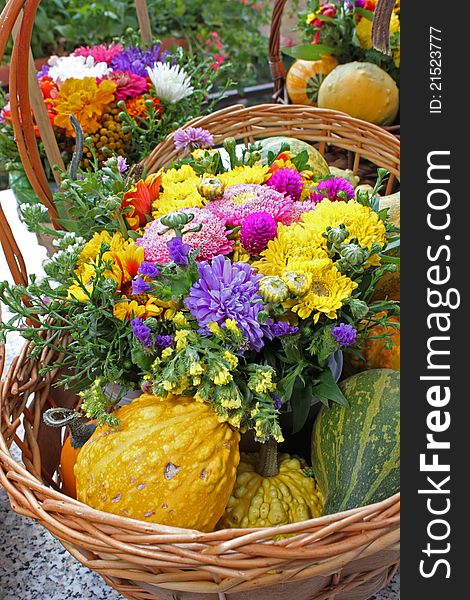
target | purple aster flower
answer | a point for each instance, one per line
(139, 286)
(227, 290)
(149, 269)
(280, 329)
(277, 402)
(288, 181)
(142, 332)
(344, 334)
(163, 341)
(256, 231)
(192, 137)
(122, 164)
(330, 188)
(44, 71)
(136, 60)
(178, 251)
(357, 3)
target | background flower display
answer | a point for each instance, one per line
(125, 97)
(343, 28)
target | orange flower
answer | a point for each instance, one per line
(138, 200)
(137, 109)
(86, 100)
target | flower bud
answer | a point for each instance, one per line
(273, 289)
(211, 188)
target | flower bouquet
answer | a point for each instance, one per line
(220, 287)
(125, 97)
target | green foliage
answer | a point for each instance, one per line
(62, 25)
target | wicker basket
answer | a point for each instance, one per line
(278, 71)
(347, 556)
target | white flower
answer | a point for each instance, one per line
(171, 82)
(76, 67)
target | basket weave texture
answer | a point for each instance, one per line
(344, 556)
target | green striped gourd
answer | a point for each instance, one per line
(317, 163)
(356, 449)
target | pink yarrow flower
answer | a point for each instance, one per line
(100, 53)
(241, 200)
(211, 240)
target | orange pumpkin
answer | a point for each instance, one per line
(81, 430)
(305, 78)
(376, 354)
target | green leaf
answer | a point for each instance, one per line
(367, 14)
(326, 389)
(301, 401)
(309, 51)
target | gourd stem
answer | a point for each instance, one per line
(80, 429)
(267, 462)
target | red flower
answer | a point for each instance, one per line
(139, 200)
(48, 87)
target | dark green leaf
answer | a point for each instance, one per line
(326, 389)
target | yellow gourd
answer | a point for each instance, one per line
(363, 90)
(283, 494)
(169, 461)
(305, 78)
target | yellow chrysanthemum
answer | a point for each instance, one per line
(91, 249)
(328, 291)
(364, 33)
(292, 243)
(184, 173)
(176, 196)
(360, 221)
(394, 24)
(255, 174)
(86, 100)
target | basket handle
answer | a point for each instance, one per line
(278, 71)
(381, 25)
(25, 94)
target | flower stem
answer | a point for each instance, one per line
(267, 462)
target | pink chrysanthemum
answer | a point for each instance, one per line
(211, 240)
(288, 181)
(330, 188)
(244, 199)
(128, 85)
(100, 53)
(299, 208)
(257, 230)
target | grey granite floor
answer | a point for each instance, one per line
(33, 564)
